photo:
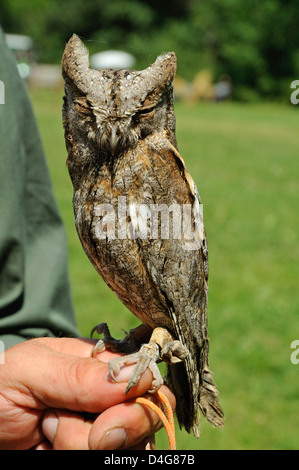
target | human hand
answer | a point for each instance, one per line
(48, 385)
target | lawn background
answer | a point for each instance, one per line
(245, 161)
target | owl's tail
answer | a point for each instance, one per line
(192, 395)
(209, 401)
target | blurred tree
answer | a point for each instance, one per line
(255, 43)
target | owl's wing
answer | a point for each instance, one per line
(178, 266)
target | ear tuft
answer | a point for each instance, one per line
(75, 62)
(166, 64)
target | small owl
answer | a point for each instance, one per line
(138, 216)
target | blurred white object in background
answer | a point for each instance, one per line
(112, 60)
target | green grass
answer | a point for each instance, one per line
(245, 161)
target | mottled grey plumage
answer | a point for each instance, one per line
(120, 136)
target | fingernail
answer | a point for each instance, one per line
(113, 439)
(49, 426)
(124, 374)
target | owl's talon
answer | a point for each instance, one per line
(101, 328)
(174, 352)
(147, 357)
(98, 348)
(157, 377)
(128, 345)
(113, 368)
(115, 364)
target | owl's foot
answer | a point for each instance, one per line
(145, 358)
(171, 351)
(161, 347)
(129, 344)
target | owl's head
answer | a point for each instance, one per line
(114, 109)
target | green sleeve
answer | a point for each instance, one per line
(35, 295)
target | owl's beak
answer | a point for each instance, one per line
(113, 140)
